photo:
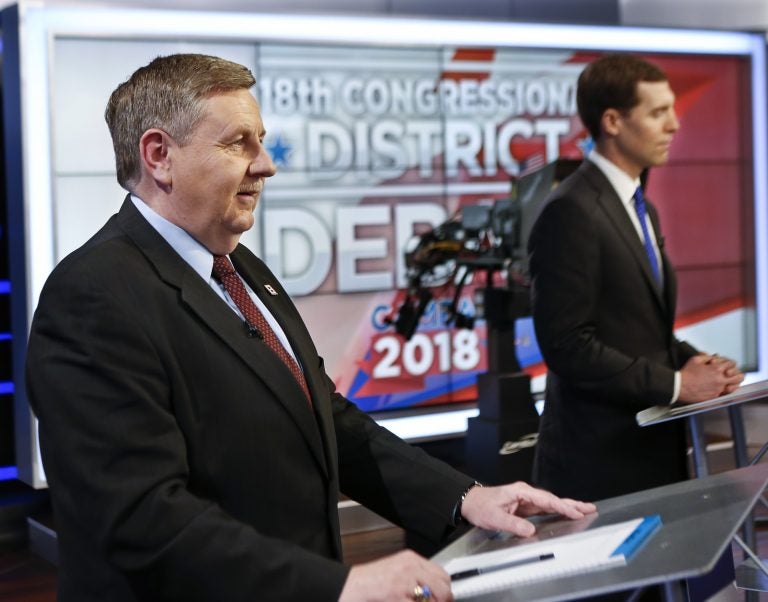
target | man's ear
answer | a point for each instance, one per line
(611, 122)
(154, 147)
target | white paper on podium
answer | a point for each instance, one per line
(575, 553)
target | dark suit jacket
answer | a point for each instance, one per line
(183, 460)
(605, 331)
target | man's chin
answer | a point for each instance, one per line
(243, 222)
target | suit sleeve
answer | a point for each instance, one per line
(384, 473)
(565, 262)
(117, 462)
(397, 480)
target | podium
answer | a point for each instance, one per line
(699, 517)
(752, 574)
(757, 391)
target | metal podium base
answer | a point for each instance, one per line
(750, 577)
(43, 540)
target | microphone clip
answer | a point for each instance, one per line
(252, 332)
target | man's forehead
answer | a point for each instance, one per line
(238, 109)
(231, 98)
(655, 91)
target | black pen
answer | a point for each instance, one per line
(499, 567)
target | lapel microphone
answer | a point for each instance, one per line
(252, 332)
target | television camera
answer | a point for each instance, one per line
(487, 240)
(482, 239)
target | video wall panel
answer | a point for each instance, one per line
(374, 145)
(383, 129)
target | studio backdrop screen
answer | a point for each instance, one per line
(382, 129)
(374, 145)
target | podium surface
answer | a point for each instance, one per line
(700, 517)
(756, 391)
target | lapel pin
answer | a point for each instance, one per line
(270, 290)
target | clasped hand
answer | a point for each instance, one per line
(706, 376)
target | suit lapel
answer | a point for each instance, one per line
(264, 284)
(203, 301)
(611, 204)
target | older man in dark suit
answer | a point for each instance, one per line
(604, 300)
(194, 446)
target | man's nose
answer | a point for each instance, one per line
(674, 122)
(262, 164)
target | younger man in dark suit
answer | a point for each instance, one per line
(603, 300)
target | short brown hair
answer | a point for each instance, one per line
(610, 82)
(166, 94)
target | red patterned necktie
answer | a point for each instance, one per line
(224, 272)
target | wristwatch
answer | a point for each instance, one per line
(458, 519)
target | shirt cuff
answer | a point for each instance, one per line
(676, 392)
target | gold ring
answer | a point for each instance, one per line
(421, 593)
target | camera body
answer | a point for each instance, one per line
(487, 237)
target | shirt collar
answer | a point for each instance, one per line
(622, 183)
(196, 255)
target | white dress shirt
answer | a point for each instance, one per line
(625, 187)
(200, 260)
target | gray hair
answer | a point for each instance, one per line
(166, 94)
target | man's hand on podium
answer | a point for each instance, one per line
(503, 508)
(404, 576)
(707, 376)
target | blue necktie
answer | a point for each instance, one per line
(649, 250)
